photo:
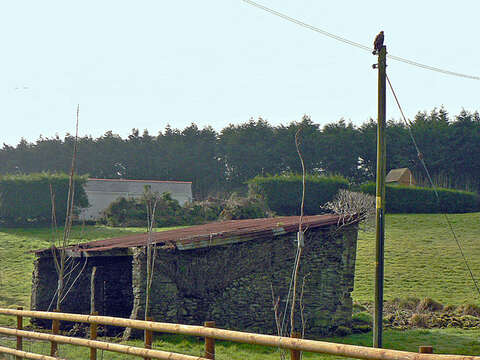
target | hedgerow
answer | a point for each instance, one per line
(283, 193)
(26, 199)
(413, 199)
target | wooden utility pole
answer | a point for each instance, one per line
(380, 199)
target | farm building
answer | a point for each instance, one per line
(224, 271)
(401, 176)
(102, 192)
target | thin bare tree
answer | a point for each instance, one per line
(151, 200)
(59, 252)
(300, 236)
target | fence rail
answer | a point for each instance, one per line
(313, 346)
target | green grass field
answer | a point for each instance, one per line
(421, 260)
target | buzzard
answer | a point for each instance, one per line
(378, 43)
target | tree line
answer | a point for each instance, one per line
(217, 162)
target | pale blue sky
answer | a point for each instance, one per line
(146, 64)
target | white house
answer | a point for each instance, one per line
(102, 192)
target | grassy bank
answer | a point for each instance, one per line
(422, 259)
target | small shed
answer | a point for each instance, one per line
(102, 192)
(401, 176)
(230, 272)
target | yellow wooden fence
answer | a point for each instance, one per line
(295, 345)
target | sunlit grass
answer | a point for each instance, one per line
(422, 259)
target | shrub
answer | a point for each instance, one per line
(469, 309)
(133, 212)
(412, 199)
(429, 305)
(420, 320)
(204, 211)
(25, 199)
(251, 207)
(408, 303)
(283, 193)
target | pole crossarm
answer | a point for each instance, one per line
(322, 347)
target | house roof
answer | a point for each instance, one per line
(212, 234)
(396, 174)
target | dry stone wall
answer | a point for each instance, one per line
(233, 284)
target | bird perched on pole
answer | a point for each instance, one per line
(378, 43)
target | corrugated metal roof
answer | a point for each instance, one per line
(143, 181)
(212, 234)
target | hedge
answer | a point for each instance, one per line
(283, 193)
(25, 199)
(412, 199)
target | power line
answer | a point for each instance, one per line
(420, 156)
(355, 44)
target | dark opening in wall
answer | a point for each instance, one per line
(113, 287)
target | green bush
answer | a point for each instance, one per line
(204, 211)
(25, 199)
(133, 212)
(283, 193)
(251, 207)
(412, 199)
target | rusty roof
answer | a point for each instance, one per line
(143, 181)
(211, 234)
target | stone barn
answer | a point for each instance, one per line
(230, 272)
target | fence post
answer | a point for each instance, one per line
(93, 336)
(55, 329)
(425, 349)
(209, 342)
(295, 354)
(19, 327)
(148, 334)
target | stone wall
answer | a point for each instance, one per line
(232, 284)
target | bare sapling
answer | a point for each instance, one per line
(300, 237)
(278, 322)
(151, 200)
(62, 241)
